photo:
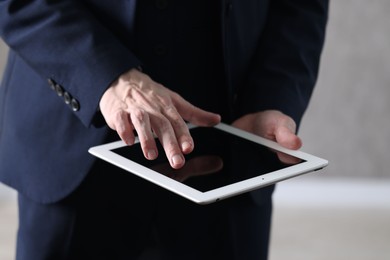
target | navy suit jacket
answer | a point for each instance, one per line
(75, 48)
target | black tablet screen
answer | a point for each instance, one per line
(219, 159)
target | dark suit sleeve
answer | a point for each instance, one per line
(285, 66)
(62, 40)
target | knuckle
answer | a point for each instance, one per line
(145, 137)
(177, 123)
(118, 115)
(174, 117)
(172, 148)
(163, 124)
(139, 115)
(170, 109)
(145, 143)
(165, 101)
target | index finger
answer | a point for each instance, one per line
(194, 114)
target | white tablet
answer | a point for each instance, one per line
(226, 162)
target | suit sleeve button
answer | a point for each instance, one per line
(75, 105)
(59, 90)
(67, 98)
(52, 83)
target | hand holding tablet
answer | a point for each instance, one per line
(226, 162)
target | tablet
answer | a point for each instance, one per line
(226, 161)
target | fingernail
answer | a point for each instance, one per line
(152, 154)
(185, 146)
(129, 141)
(177, 159)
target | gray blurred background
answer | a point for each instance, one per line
(342, 211)
(348, 120)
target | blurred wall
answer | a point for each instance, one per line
(348, 119)
(3, 57)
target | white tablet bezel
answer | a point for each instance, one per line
(310, 163)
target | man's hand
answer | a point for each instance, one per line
(136, 102)
(273, 125)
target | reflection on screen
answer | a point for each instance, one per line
(219, 159)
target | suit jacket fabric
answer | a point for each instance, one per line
(75, 49)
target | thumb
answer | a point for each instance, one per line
(287, 138)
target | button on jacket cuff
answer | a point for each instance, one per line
(83, 91)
